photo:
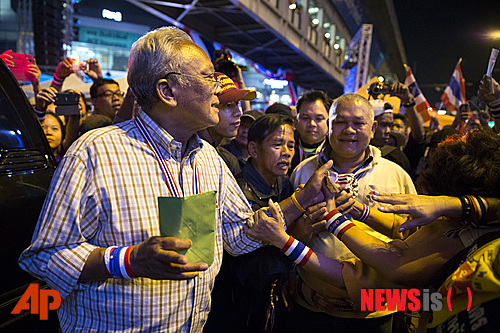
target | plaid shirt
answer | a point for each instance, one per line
(105, 193)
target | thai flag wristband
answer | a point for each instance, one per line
(364, 214)
(297, 251)
(117, 262)
(337, 223)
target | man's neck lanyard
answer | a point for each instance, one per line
(169, 178)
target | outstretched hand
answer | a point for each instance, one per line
(93, 70)
(310, 223)
(159, 258)
(315, 189)
(268, 228)
(484, 91)
(45, 97)
(422, 209)
(64, 68)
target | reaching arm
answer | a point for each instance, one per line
(414, 118)
(35, 73)
(425, 209)
(64, 69)
(156, 258)
(270, 229)
(93, 70)
(312, 193)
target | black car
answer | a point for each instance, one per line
(26, 169)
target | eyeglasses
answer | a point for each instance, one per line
(216, 82)
(110, 94)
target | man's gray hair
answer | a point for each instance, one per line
(349, 98)
(151, 57)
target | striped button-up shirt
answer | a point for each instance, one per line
(105, 193)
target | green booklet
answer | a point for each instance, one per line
(193, 218)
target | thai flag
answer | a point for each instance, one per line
(421, 104)
(454, 94)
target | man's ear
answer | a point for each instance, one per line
(165, 93)
(374, 126)
(252, 149)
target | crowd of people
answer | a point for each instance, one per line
(177, 208)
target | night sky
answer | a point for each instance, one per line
(437, 33)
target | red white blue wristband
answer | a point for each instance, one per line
(117, 262)
(364, 214)
(297, 251)
(107, 254)
(337, 223)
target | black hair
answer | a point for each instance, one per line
(279, 108)
(267, 124)
(464, 165)
(99, 83)
(402, 118)
(313, 96)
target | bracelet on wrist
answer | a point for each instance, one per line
(466, 208)
(478, 209)
(297, 251)
(117, 262)
(296, 203)
(337, 223)
(365, 213)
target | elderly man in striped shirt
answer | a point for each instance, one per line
(100, 241)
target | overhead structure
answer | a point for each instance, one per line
(277, 34)
(359, 59)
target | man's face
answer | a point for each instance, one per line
(229, 120)
(398, 125)
(242, 134)
(272, 157)
(312, 123)
(108, 101)
(196, 103)
(384, 124)
(351, 130)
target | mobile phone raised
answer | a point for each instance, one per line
(20, 67)
(67, 104)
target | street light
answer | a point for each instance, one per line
(494, 34)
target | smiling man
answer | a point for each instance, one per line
(358, 168)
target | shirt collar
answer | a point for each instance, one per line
(167, 141)
(258, 184)
(324, 157)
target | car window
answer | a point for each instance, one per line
(11, 133)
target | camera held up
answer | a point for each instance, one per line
(377, 88)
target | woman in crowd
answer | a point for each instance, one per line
(59, 135)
